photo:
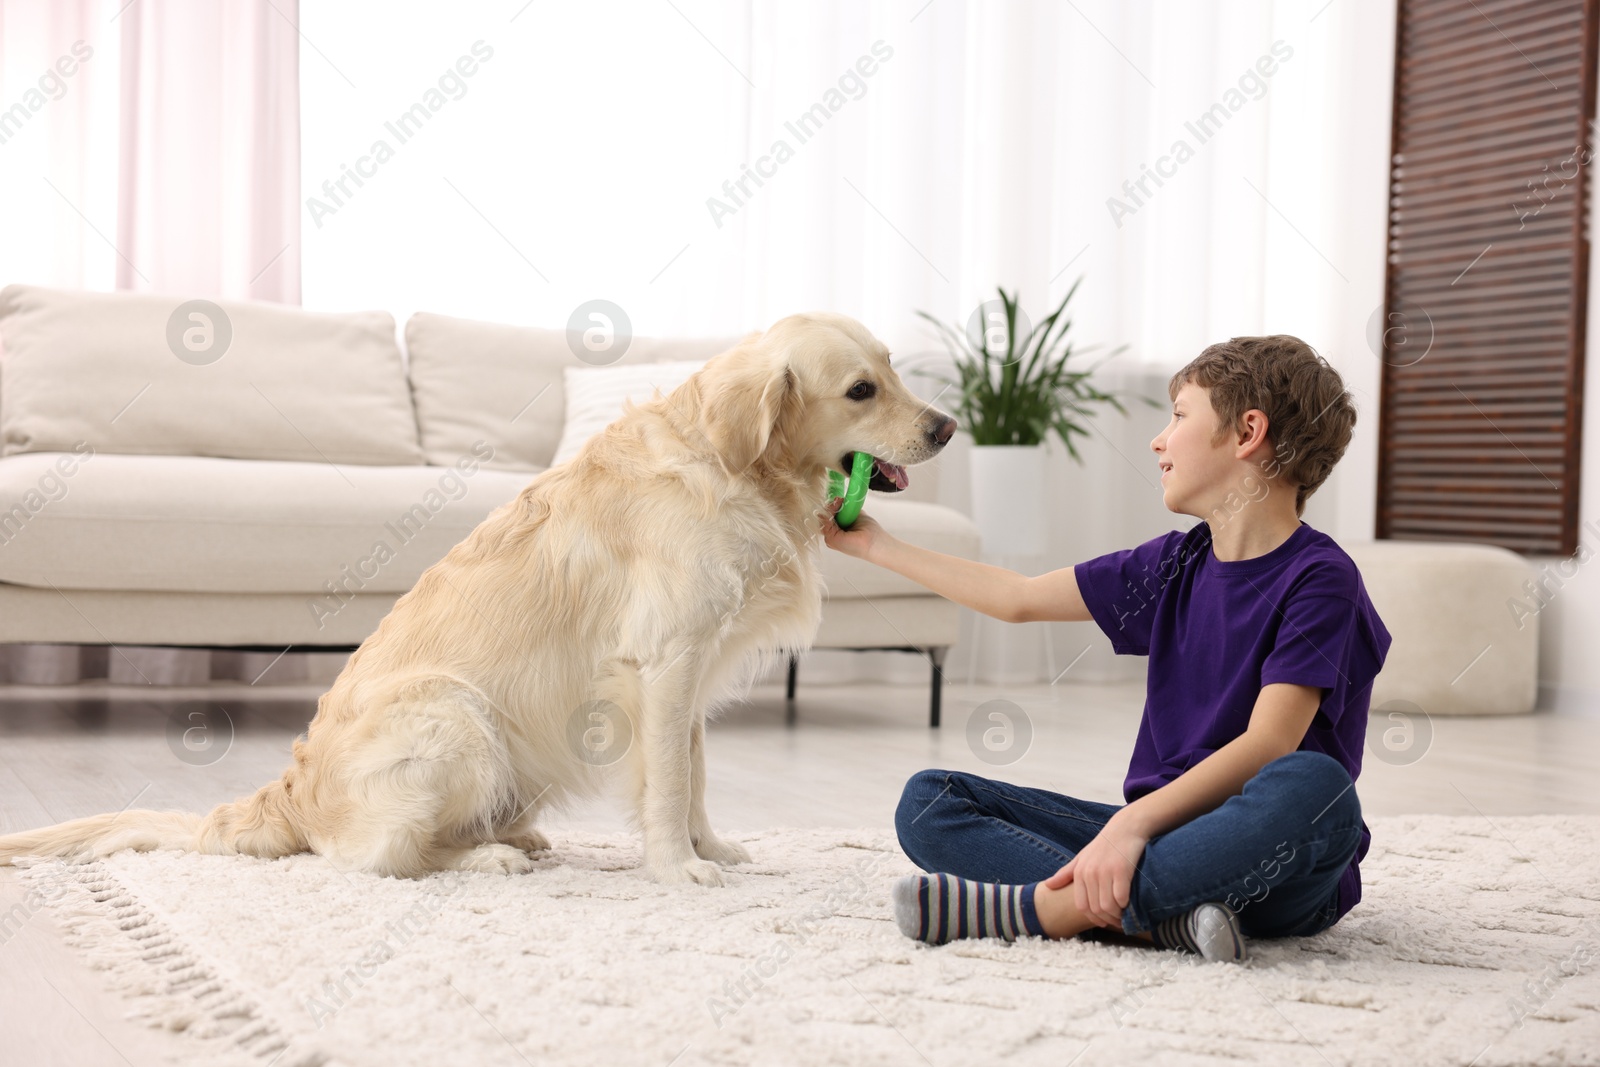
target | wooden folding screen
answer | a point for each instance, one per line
(1487, 281)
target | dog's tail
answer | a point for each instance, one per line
(262, 824)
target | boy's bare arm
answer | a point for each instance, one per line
(1053, 597)
(995, 591)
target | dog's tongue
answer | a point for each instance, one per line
(893, 472)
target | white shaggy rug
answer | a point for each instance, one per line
(1478, 942)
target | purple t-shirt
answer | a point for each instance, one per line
(1216, 631)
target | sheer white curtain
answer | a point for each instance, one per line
(580, 158)
(150, 146)
(1211, 168)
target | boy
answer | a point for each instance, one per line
(1241, 815)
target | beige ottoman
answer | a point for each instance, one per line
(1460, 645)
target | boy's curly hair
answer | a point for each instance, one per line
(1310, 414)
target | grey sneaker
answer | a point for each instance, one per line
(1209, 930)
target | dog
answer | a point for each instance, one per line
(593, 622)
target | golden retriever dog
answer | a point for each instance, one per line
(587, 627)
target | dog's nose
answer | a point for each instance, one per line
(942, 434)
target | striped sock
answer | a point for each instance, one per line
(1210, 930)
(941, 907)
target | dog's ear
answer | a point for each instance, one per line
(744, 403)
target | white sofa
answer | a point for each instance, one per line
(265, 477)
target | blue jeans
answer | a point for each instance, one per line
(1274, 852)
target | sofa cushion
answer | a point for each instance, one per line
(89, 520)
(138, 374)
(484, 381)
(596, 396)
(192, 524)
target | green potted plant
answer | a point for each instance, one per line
(1017, 385)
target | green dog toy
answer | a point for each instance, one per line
(854, 493)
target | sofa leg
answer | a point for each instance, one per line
(936, 656)
(788, 696)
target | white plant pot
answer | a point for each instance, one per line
(1008, 498)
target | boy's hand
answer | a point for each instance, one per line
(856, 541)
(1102, 874)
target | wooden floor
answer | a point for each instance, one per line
(69, 753)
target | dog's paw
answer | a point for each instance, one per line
(720, 851)
(495, 858)
(697, 872)
(529, 840)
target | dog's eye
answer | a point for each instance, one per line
(862, 391)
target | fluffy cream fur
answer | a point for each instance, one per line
(632, 590)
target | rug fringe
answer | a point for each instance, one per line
(168, 986)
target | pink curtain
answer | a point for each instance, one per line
(167, 161)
